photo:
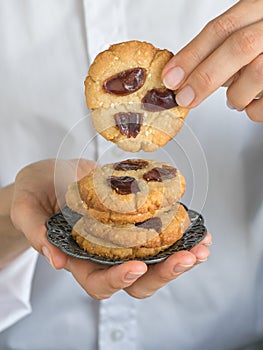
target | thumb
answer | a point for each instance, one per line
(32, 223)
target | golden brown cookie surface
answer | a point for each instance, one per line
(130, 241)
(127, 192)
(130, 105)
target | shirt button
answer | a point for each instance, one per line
(117, 335)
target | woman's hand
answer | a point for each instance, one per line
(36, 199)
(227, 52)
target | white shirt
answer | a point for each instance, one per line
(46, 47)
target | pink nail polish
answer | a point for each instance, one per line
(185, 96)
(173, 77)
(133, 275)
(47, 255)
(179, 268)
(229, 105)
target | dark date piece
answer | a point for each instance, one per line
(123, 184)
(125, 82)
(158, 99)
(160, 174)
(128, 123)
(131, 164)
(152, 223)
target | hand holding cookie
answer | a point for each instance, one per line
(227, 52)
(35, 200)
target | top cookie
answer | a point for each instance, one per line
(130, 105)
(128, 191)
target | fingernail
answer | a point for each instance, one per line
(229, 105)
(181, 268)
(201, 260)
(133, 275)
(47, 255)
(185, 96)
(173, 77)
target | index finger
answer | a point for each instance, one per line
(236, 52)
(212, 36)
(160, 274)
(100, 281)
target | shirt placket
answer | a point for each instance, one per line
(105, 25)
(118, 323)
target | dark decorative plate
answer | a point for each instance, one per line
(59, 234)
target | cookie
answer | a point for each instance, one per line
(130, 105)
(127, 192)
(132, 240)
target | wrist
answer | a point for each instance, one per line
(12, 241)
(6, 196)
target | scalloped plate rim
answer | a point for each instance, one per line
(84, 255)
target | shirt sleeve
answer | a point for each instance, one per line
(15, 288)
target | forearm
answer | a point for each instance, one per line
(12, 242)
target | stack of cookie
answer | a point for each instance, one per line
(130, 209)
